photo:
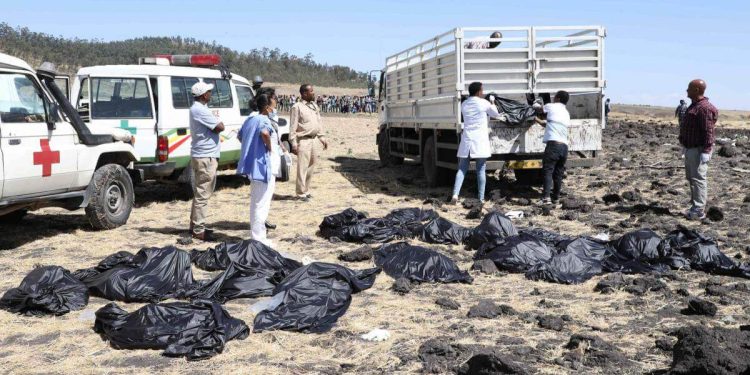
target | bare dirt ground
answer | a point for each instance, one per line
(638, 158)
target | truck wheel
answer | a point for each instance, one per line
(435, 176)
(112, 197)
(13, 218)
(386, 159)
(529, 176)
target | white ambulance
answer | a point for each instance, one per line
(152, 99)
(48, 157)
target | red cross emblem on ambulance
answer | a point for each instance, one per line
(46, 157)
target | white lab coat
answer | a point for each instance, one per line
(475, 138)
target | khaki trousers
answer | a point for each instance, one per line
(697, 177)
(307, 157)
(204, 174)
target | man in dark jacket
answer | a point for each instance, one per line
(697, 137)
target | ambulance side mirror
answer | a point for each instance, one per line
(52, 111)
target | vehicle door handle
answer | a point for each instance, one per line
(14, 142)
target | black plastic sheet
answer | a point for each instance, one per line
(691, 249)
(314, 297)
(566, 268)
(443, 231)
(353, 226)
(418, 264)
(152, 275)
(239, 281)
(196, 330)
(494, 226)
(641, 251)
(48, 290)
(517, 253)
(518, 113)
(248, 253)
(413, 219)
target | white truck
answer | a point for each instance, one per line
(421, 89)
(152, 100)
(48, 157)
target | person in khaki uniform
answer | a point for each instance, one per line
(204, 157)
(305, 133)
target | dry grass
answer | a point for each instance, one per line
(348, 176)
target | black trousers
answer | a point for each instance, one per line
(553, 165)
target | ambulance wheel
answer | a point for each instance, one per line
(435, 176)
(111, 197)
(13, 218)
(529, 176)
(384, 153)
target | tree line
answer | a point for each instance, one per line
(273, 65)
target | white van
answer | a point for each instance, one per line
(151, 100)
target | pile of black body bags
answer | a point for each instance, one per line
(307, 298)
(539, 254)
(311, 298)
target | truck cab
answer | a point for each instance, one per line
(151, 100)
(49, 158)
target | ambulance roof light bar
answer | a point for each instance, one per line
(191, 60)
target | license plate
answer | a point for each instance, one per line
(525, 164)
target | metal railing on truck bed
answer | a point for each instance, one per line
(424, 82)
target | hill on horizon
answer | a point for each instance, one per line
(273, 65)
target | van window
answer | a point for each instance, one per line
(120, 98)
(181, 96)
(20, 99)
(244, 97)
(221, 96)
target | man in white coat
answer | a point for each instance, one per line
(475, 138)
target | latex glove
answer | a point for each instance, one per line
(503, 117)
(705, 157)
(492, 99)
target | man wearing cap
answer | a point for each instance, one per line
(204, 157)
(304, 134)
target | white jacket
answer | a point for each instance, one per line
(475, 138)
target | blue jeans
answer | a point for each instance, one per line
(463, 167)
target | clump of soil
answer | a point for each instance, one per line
(697, 306)
(701, 350)
(592, 351)
(358, 255)
(488, 309)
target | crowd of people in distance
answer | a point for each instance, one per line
(334, 104)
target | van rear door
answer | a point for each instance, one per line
(122, 101)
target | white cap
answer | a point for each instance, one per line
(200, 88)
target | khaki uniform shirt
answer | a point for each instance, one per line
(305, 122)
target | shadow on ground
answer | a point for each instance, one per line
(168, 191)
(183, 232)
(34, 227)
(408, 179)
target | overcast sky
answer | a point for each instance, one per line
(653, 49)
